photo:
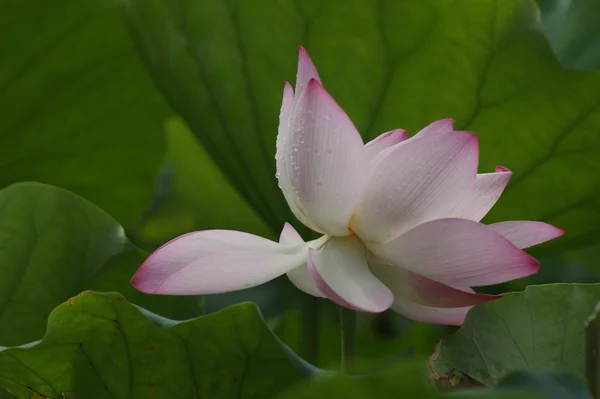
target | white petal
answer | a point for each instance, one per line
(525, 234)
(290, 236)
(321, 163)
(300, 276)
(215, 261)
(384, 141)
(341, 272)
(428, 314)
(416, 181)
(459, 253)
(488, 188)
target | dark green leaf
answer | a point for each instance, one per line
(540, 328)
(54, 245)
(198, 197)
(405, 380)
(121, 351)
(573, 30)
(78, 109)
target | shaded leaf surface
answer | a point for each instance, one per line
(54, 244)
(112, 349)
(572, 29)
(541, 328)
(78, 108)
(407, 380)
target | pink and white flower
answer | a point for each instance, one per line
(399, 218)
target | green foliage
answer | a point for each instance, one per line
(573, 31)
(54, 245)
(540, 328)
(104, 347)
(407, 380)
(78, 110)
(196, 194)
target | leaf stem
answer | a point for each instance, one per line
(309, 328)
(348, 338)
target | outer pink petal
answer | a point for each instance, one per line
(230, 271)
(458, 252)
(183, 251)
(488, 188)
(416, 181)
(284, 135)
(427, 314)
(299, 276)
(340, 271)
(414, 287)
(525, 234)
(321, 163)
(384, 141)
(438, 127)
(306, 71)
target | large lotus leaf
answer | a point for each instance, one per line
(53, 245)
(101, 346)
(78, 109)
(541, 328)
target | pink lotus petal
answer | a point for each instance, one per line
(438, 127)
(183, 251)
(488, 188)
(416, 181)
(283, 167)
(525, 234)
(457, 252)
(414, 287)
(299, 276)
(230, 271)
(306, 71)
(340, 271)
(427, 314)
(384, 141)
(321, 162)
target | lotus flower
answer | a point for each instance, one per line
(399, 218)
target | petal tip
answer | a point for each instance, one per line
(502, 169)
(557, 231)
(314, 84)
(138, 282)
(448, 121)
